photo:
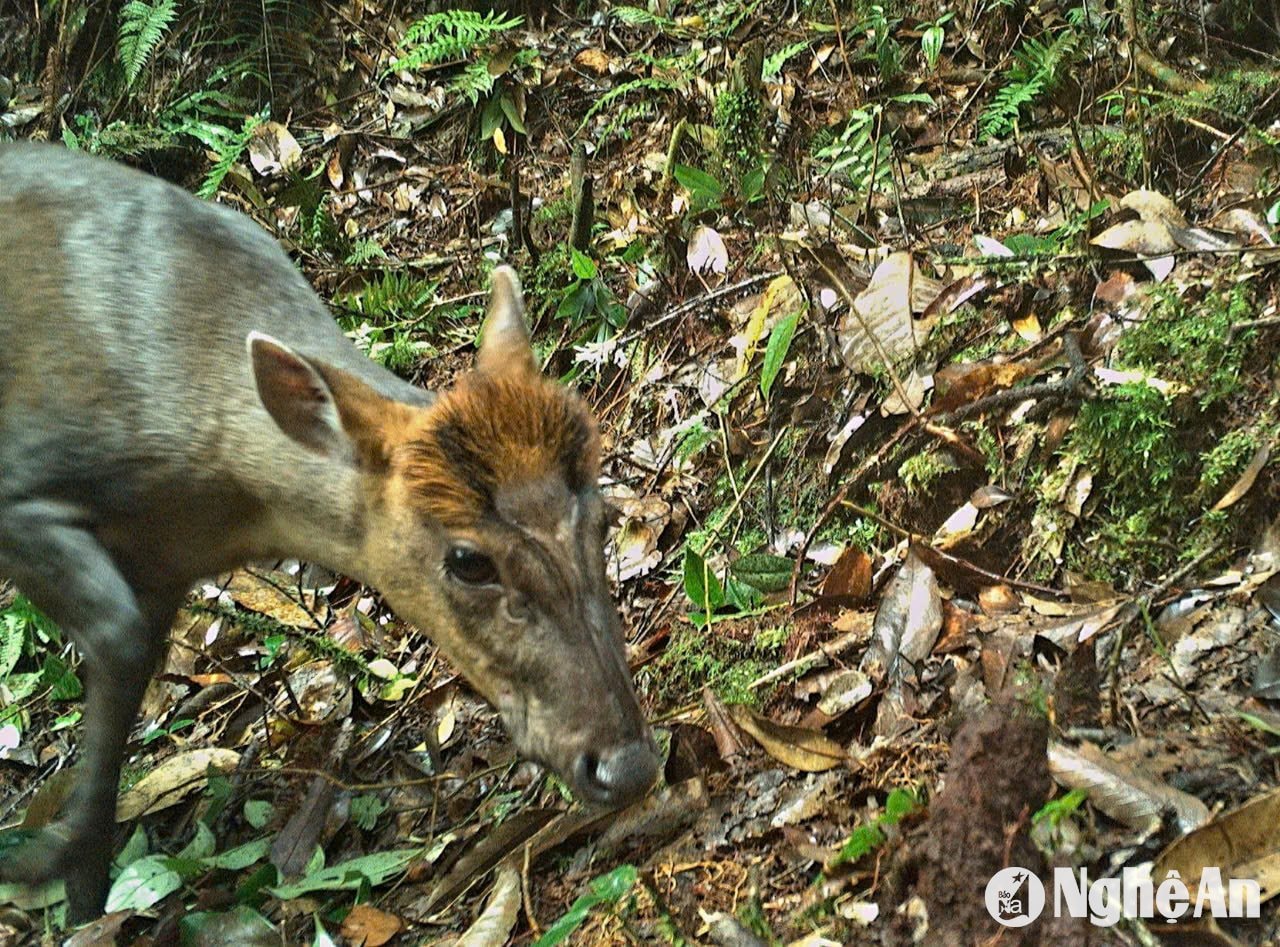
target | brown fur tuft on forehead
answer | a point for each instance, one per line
(488, 433)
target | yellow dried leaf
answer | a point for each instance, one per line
(797, 747)
(173, 780)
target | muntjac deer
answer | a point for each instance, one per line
(176, 401)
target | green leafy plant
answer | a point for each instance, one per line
(603, 892)
(227, 145)
(636, 96)
(155, 733)
(1038, 66)
(880, 27)
(1056, 810)
(352, 875)
(142, 26)
(775, 352)
(365, 250)
(149, 878)
(866, 838)
(587, 302)
(774, 62)
(26, 637)
(466, 36)
(932, 37)
(637, 16)
(448, 36)
(366, 809)
(701, 585)
(725, 19)
(710, 595)
(763, 571)
(705, 192)
(858, 152)
(388, 298)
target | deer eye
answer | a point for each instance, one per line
(470, 566)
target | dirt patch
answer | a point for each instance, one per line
(979, 824)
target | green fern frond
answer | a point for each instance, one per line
(227, 145)
(635, 16)
(1037, 68)
(622, 123)
(858, 153)
(449, 35)
(474, 81)
(774, 62)
(649, 83)
(364, 250)
(142, 26)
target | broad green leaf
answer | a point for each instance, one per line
(702, 186)
(143, 883)
(741, 596)
(373, 870)
(137, 846)
(242, 856)
(202, 845)
(491, 118)
(700, 583)
(763, 571)
(775, 353)
(577, 302)
(258, 812)
(242, 926)
(61, 680)
(583, 266)
(931, 44)
(513, 114)
(606, 890)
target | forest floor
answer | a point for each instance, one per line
(934, 352)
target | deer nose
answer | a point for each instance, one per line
(618, 776)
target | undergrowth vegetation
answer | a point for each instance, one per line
(830, 276)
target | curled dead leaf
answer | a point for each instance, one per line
(1152, 205)
(173, 780)
(493, 927)
(880, 326)
(1242, 843)
(368, 926)
(1120, 790)
(1246, 479)
(273, 148)
(797, 747)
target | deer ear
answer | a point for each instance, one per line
(326, 409)
(505, 348)
(296, 396)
